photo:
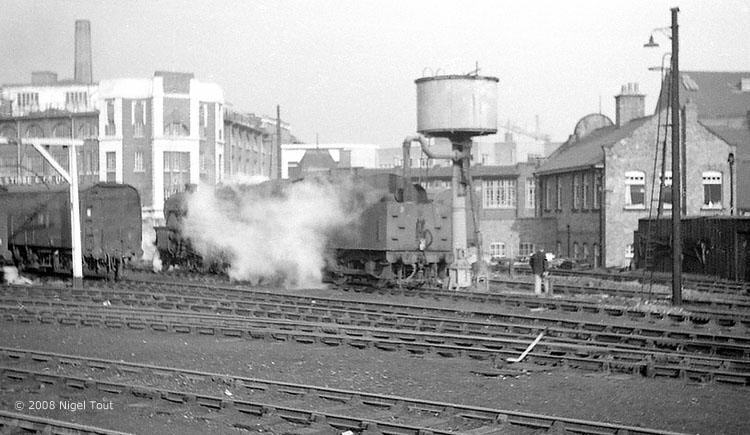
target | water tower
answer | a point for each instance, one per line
(458, 107)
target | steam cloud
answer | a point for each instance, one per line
(278, 236)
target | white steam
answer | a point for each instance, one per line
(148, 245)
(265, 236)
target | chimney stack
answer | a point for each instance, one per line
(82, 73)
(629, 105)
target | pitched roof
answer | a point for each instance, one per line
(739, 137)
(317, 159)
(587, 151)
(717, 94)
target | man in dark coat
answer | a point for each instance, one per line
(538, 263)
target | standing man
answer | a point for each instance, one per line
(538, 263)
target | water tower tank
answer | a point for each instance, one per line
(454, 105)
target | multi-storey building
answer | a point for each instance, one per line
(47, 108)
(251, 146)
(160, 134)
(607, 175)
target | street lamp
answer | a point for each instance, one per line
(675, 110)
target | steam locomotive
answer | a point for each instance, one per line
(401, 237)
(35, 227)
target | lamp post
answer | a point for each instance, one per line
(675, 124)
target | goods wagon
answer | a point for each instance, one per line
(35, 227)
(711, 245)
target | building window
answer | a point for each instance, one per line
(635, 182)
(28, 100)
(596, 255)
(586, 252)
(499, 193)
(558, 197)
(576, 252)
(558, 249)
(597, 191)
(111, 166)
(548, 195)
(109, 129)
(666, 191)
(176, 172)
(176, 129)
(202, 119)
(712, 189)
(525, 249)
(34, 130)
(138, 118)
(497, 250)
(76, 100)
(629, 251)
(138, 162)
(586, 191)
(577, 191)
(61, 131)
(530, 192)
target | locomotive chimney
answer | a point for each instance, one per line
(82, 73)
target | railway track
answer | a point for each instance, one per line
(695, 316)
(14, 422)
(706, 284)
(496, 347)
(297, 404)
(263, 304)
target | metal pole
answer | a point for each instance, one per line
(278, 142)
(676, 163)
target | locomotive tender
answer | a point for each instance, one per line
(35, 227)
(401, 238)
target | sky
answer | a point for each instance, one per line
(343, 71)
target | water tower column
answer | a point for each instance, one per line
(460, 270)
(457, 108)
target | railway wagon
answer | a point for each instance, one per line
(402, 237)
(711, 245)
(35, 227)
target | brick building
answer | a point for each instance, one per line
(722, 101)
(251, 146)
(47, 108)
(607, 175)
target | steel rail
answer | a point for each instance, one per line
(398, 404)
(624, 338)
(41, 425)
(587, 357)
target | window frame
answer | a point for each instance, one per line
(634, 178)
(712, 178)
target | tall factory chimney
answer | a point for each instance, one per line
(82, 73)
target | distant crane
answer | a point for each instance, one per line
(512, 127)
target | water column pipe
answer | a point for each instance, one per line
(460, 269)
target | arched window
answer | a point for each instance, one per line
(8, 132)
(576, 252)
(586, 252)
(87, 130)
(61, 131)
(34, 130)
(176, 129)
(558, 249)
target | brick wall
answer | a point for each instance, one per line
(705, 152)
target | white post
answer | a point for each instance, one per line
(71, 176)
(75, 218)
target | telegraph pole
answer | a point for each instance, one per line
(676, 178)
